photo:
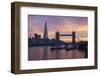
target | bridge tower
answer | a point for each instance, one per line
(57, 35)
(73, 37)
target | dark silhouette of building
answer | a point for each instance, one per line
(45, 31)
(36, 36)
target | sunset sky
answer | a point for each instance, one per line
(64, 24)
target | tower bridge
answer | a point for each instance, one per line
(66, 45)
(73, 34)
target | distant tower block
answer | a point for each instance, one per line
(45, 31)
(73, 37)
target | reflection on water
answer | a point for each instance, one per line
(44, 53)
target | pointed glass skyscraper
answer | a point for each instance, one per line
(45, 31)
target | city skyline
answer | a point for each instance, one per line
(63, 24)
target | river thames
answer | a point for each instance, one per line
(45, 53)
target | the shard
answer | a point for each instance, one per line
(45, 31)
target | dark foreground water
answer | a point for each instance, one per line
(44, 53)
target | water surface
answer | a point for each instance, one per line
(44, 53)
